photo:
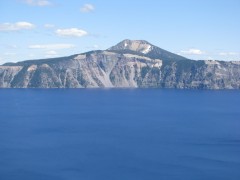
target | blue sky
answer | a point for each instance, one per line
(34, 29)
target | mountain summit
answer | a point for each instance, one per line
(144, 48)
(140, 46)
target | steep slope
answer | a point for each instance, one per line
(113, 69)
(145, 48)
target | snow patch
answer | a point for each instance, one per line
(147, 49)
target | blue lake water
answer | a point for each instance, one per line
(126, 134)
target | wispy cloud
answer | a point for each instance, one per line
(95, 46)
(16, 26)
(31, 55)
(49, 26)
(86, 8)
(209, 58)
(51, 53)
(51, 46)
(192, 52)
(229, 53)
(10, 46)
(9, 54)
(40, 3)
(72, 32)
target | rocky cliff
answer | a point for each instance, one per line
(128, 64)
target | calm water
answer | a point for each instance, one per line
(119, 135)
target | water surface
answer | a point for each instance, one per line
(135, 134)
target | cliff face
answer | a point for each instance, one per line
(120, 69)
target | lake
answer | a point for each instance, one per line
(119, 134)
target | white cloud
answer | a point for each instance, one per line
(93, 47)
(49, 26)
(233, 53)
(51, 46)
(210, 58)
(37, 2)
(16, 26)
(72, 32)
(51, 53)
(193, 52)
(228, 53)
(31, 55)
(9, 54)
(10, 46)
(223, 54)
(87, 8)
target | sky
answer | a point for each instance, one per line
(200, 30)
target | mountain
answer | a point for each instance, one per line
(128, 64)
(144, 48)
